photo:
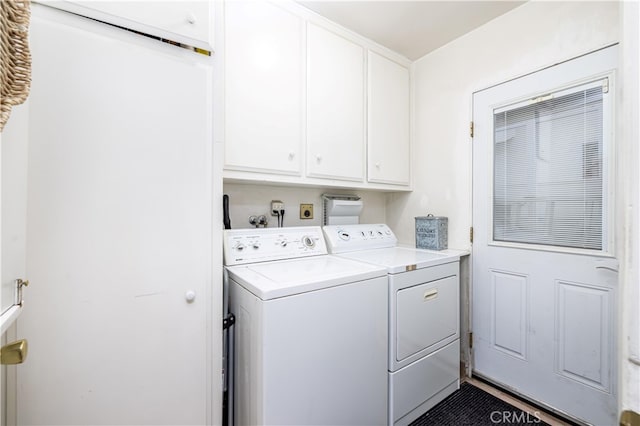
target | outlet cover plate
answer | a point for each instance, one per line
(306, 211)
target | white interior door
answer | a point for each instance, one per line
(544, 272)
(124, 307)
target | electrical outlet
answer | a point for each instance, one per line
(306, 211)
(276, 206)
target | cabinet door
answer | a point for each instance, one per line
(120, 236)
(187, 22)
(388, 124)
(335, 106)
(263, 88)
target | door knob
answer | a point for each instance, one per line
(14, 353)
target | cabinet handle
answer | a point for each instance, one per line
(191, 18)
(430, 294)
(377, 165)
(318, 159)
(291, 156)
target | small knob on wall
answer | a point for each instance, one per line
(190, 296)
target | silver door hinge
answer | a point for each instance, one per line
(20, 284)
(471, 234)
(471, 129)
(470, 340)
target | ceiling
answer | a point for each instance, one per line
(411, 28)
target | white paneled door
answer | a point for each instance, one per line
(544, 272)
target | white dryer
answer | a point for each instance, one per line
(424, 336)
(311, 331)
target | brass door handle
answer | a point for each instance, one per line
(14, 353)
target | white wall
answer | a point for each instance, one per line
(530, 37)
(249, 199)
(628, 232)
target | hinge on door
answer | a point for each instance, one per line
(471, 234)
(605, 85)
(471, 129)
(20, 283)
(470, 340)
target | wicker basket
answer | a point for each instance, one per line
(15, 58)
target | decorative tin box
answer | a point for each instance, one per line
(431, 232)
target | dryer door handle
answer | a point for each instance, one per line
(430, 294)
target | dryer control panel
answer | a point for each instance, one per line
(346, 238)
(266, 244)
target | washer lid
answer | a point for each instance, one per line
(271, 280)
(402, 259)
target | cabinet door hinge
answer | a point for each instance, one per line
(471, 234)
(470, 340)
(471, 129)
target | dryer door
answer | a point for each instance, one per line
(426, 313)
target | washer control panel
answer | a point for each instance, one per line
(346, 238)
(266, 244)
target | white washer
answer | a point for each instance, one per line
(311, 331)
(424, 337)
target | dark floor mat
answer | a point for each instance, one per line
(472, 406)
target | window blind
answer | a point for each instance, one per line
(548, 171)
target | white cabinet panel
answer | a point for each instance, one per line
(120, 228)
(335, 106)
(187, 22)
(388, 121)
(434, 303)
(264, 85)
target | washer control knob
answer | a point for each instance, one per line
(239, 246)
(256, 245)
(307, 241)
(344, 235)
(284, 243)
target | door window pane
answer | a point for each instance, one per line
(548, 171)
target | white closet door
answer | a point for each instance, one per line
(119, 231)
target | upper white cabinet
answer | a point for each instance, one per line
(305, 101)
(187, 22)
(264, 88)
(335, 106)
(388, 121)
